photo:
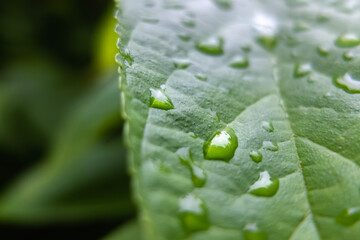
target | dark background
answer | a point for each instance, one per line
(55, 56)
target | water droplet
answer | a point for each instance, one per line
(184, 36)
(323, 17)
(223, 4)
(323, 50)
(246, 48)
(347, 41)
(184, 155)
(212, 46)
(256, 156)
(128, 60)
(181, 63)
(213, 114)
(252, 232)
(193, 214)
(188, 22)
(348, 56)
(266, 28)
(221, 146)
(267, 126)
(192, 134)
(198, 175)
(302, 70)
(270, 146)
(201, 76)
(348, 217)
(150, 20)
(348, 83)
(239, 62)
(265, 186)
(300, 27)
(158, 99)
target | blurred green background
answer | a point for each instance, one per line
(63, 164)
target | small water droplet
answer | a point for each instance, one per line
(150, 20)
(212, 46)
(348, 56)
(188, 22)
(213, 114)
(265, 186)
(348, 83)
(193, 214)
(239, 62)
(323, 17)
(201, 76)
(348, 217)
(184, 36)
(270, 146)
(252, 232)
(198, 175)
(158, 99)
(300, 26)
(128, 60)
(246, 48)
(224, 4)
(181, 63)
(267, 126)
(192, 134)
(256, 156)
(323, 50)
(302, 70)
(266, 28)
(221, 146)
(347, 41)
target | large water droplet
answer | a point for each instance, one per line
(181, 63)
(265, 186)
(266, 28)
(267, 126)
(239, 62)
(302, 70)
(348, 217)
(256, 156)
(348, 83)
(221, 146)
(252, 232)
(193, 214)
(158, 99)
(198, 175)
(347, 41)
(212, 46)
(269, 146)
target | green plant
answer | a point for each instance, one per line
(243, 117)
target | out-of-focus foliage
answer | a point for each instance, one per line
(63, 163)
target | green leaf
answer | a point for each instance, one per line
(129, 231)
(293, 117)
(76, 182)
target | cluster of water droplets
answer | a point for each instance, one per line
(222, 145)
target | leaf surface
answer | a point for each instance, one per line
(274, 73)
